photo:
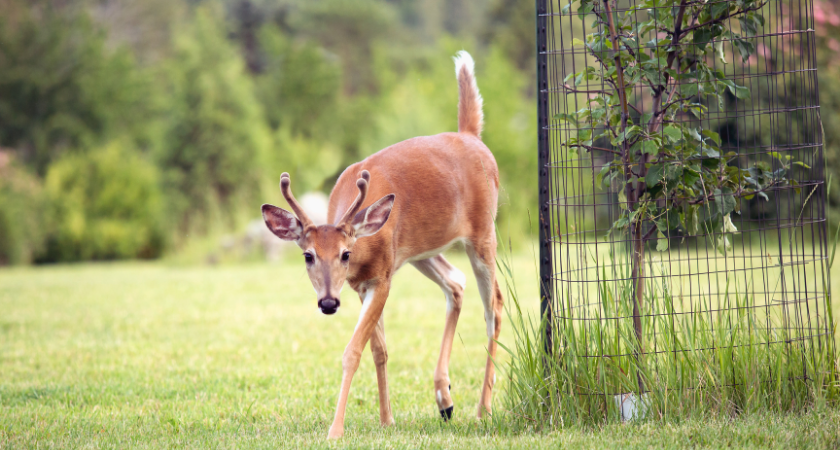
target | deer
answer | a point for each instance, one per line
(406, 204)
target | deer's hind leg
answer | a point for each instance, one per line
(482, 254)
(452, 281)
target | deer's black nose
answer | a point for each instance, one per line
(329, 305)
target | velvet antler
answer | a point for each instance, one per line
(285, 187)
(362, 184)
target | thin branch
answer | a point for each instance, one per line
(590, 147)
(584, 91)
(722, 18)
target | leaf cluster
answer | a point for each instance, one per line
(666, 167)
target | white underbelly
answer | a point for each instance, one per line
(430, 253)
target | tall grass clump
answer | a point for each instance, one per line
(704, 357)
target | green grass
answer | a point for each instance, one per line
(152, 355)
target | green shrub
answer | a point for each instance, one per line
(106, 204)
(217, 138)
(62, 86)
(21, 213)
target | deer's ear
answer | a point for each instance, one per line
(371, 219)
(282, 223)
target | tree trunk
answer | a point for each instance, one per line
(632, 198)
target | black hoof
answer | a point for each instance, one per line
(447, 413)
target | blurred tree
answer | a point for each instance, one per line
(300, 83)
(217, 140)
(827, 18)
(510, 121)
(350, 29)
(143, 26)
(21, 212)
(105, 204)
(510, 25)
(60, 88)
(249, 18)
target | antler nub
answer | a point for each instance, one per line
(362, 184)
(285, 187)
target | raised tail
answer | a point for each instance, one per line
(470, 116)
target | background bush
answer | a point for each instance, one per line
(21, 213)
(104, 204)
(213, 99)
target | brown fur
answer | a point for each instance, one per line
(445, 190)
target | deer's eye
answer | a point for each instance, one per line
(308, 258)
(345, 256)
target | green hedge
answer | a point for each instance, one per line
(105, 204)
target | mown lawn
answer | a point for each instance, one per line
(153, 355)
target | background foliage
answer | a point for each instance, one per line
(129, 129)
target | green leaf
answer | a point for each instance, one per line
(661, 242)
(725, 201)
(585, 8)
(800, 163)
(668, 220)
(719, 51)
(690, 176)
(713, 136)
(745, 47)
(673, 133)
(718, 8)
(577, 43)
(673, 173)
(655, 76)
(584, 135)
(649, 147)
(689, 89)
(741, 92)
(702, 36)
(694, 134)
(654, 174)
(626, 134)
(691, 219)
(710, 152)
(604, 171)
(572, 117)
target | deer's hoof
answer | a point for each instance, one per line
(335, 433)
(447, 413)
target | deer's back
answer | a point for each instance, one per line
(446, 189)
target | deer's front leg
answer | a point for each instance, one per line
(374, 302)
(380, 359)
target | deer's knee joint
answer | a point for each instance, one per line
(350, 360)
(454, 301)
(380, 357)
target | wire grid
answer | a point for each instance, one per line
(778, 257)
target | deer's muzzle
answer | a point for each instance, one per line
(329, 305)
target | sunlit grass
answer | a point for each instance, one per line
(154, 355)
(711, 355)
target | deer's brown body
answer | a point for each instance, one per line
(406, 204)
(425, 218)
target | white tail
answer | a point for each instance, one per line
(403, 205)
(470, 115)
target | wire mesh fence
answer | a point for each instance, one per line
(682, 188)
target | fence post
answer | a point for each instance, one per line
(544, 221)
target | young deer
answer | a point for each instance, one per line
(430, 192)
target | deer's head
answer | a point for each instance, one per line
(327, 249)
